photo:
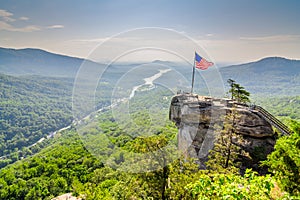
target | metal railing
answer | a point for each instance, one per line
(273, 120)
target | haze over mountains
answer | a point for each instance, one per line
(272, 75)
(37, 62)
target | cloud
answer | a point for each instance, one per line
(29, 28)
(6, 19)
(5, 26)
(272, 38)
(24, 18)
(4, 13)
(55, 26)
(8, 27)
(92, 40)
(6, 16)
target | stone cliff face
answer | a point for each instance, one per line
(197, 118)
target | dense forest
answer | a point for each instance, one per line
(286, 108)
(97, 160)
(67, 166)
(31, 108)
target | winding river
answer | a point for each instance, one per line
(147, 81)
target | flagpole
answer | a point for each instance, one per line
(193, 76)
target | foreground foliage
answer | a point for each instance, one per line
(284, 162)
(68, 166)
(231, 186)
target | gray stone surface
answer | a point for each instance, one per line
(197, 118)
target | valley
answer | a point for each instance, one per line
(92, 142)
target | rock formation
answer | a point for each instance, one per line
(197, 117)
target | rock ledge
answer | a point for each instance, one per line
(197, 117)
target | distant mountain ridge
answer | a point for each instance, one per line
(37, 62)
(271, 63)
(271, 75)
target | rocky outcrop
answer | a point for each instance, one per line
(197, 118)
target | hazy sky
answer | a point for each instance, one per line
(228, 30)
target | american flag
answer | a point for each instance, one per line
(201, 63)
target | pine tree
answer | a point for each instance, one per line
(238, 92)
(224, 156)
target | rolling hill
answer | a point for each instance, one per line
(268, 76)
(38, 62)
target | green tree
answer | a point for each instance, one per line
(182, 172)
(224, 155)
(231, 84)
(284, 162)
(231, 186)
(157, 159)
(238, 92)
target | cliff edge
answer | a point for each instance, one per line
(197, 118)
